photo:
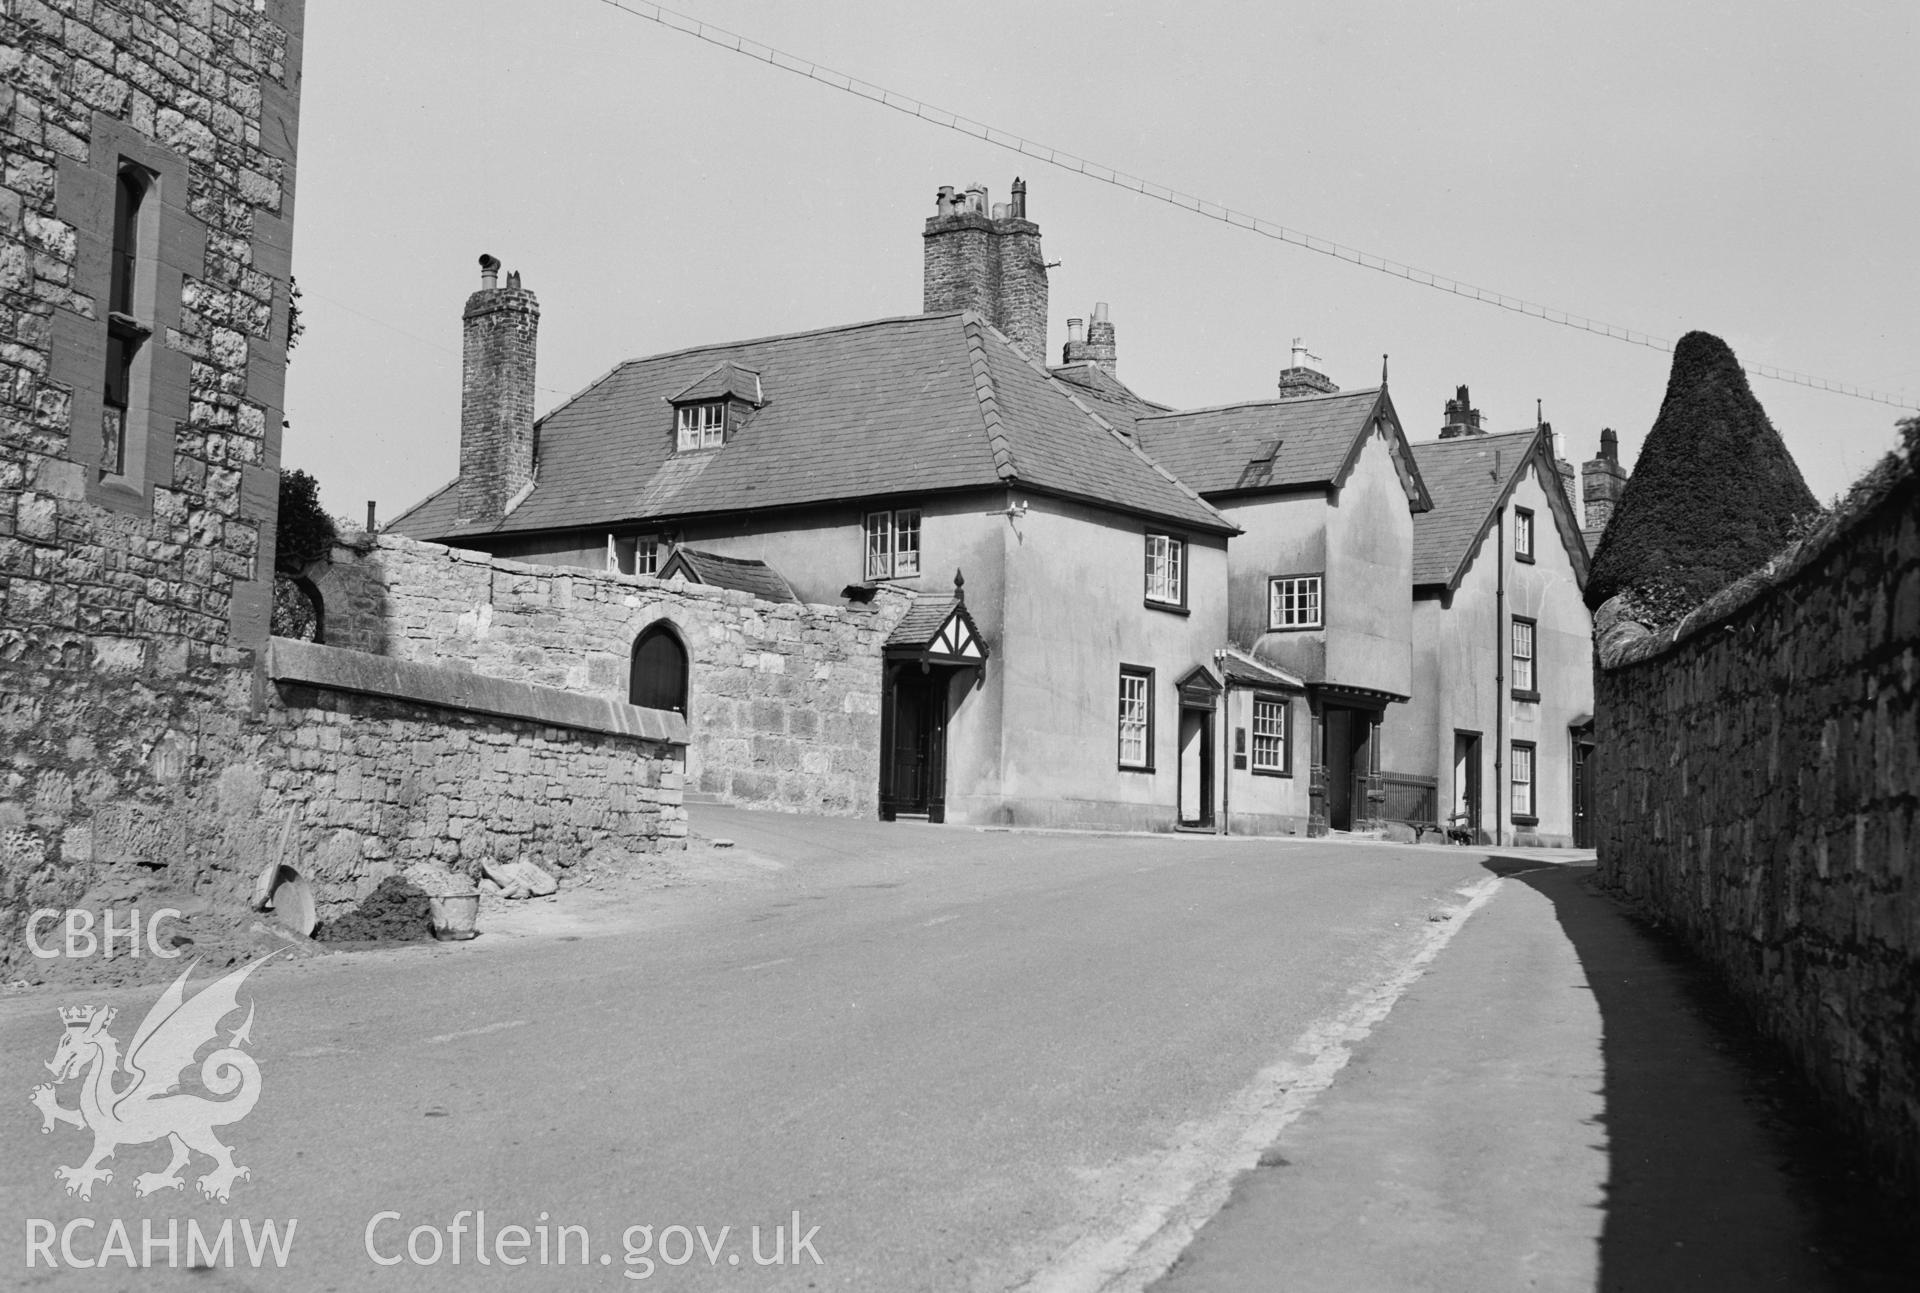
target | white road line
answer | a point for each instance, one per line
(766, 965)
(939, 920)
(500, 1027)
(1159, 1201)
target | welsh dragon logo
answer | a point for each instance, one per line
(149, 1104)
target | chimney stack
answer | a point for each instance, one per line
(986, 258)
(1096, 346)
(1302, 376)
(1462, 417)
(501, 327)
(1602, 481)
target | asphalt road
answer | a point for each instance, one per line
(924, 1058)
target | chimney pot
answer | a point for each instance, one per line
(1302, 375)
(489, 271)
(999, 211)
(1019, 198)
(1076, 331)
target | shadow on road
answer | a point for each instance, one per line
(1705, 1119)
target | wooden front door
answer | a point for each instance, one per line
(1582, 794)
(1466, 781)
(1337, 731)
(914, 737)
(1196, 767)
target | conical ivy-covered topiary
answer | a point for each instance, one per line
(1713, 495)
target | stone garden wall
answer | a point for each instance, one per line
(783, 699)
(381, 764)
(1759, 771)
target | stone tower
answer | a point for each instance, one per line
(987, 259)
(501, 327)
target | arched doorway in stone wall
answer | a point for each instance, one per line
(657, 678)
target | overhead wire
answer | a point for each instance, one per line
(942, 117)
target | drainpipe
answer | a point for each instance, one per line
(1226, 743)
(1499, 664)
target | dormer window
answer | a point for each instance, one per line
(703, 425)
(716, 407)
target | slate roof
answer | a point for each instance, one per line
(922, 620)
(724, 380)
(1267, 444)
(1106, 394)
(750, 576)
(903, 406)
(1242, 668)
(1466, 494)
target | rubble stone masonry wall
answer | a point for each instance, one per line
(783, 699)
(135, 584)
(1758, 778)
(382, 768)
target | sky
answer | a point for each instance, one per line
(1747, 168)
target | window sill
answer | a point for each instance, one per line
(1526, 557)
(1136, 767)
(1294, 628)
(1171, 608)
(1530, 696)
(1525, 819)
(1286, 774)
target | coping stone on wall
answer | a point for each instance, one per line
(341, 670)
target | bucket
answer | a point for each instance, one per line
(453, 915)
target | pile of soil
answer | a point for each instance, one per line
(395, 912)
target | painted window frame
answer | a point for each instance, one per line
(701, 424)
(1526, 752)
(1524, 629)
(636, 554)
(1318, 582)
(896, 558)
(1524, 534)
(1172, 571)
(1282, 740)
(1143, 724)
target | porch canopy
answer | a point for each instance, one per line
(938, 631)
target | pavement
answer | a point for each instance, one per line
(940, 1058)
(1650, 1139)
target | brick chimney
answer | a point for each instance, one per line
(1462, 417)
(1302, 375)
(1602, 480)
(1094, 345)
(987, 259)
(501, 328)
